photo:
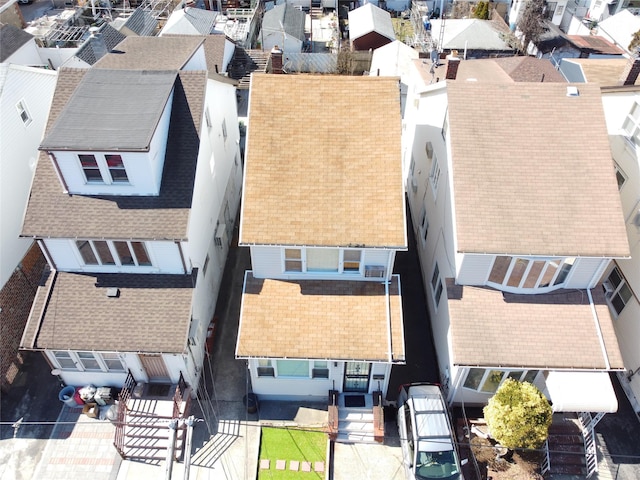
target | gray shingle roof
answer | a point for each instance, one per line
(116, 110)
(287, 16)
(11, 39)
(52, 213)
(158, 303)
(88, 51)
(204, 21)
(141, 23)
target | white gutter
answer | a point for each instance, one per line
(386, 292)
(598, 330)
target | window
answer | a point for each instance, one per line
(621, 177)
(23, 112)
(320, 369)
(631, 125)
(486, 380)
(424, 224)
(112, 362)
(265, 368)
(322, 259)
(434, 174)
(351, 261)
(64, 359)
(293, 368)
(617, 291)
(292, 260)
(207, 118)
(224, 129)
(525, 273)
(89, 361)
(121, 253)
(116, 169)
(206, 264)
(90, 168)
(436, 285)
(445, 127)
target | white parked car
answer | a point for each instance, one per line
(426, 436)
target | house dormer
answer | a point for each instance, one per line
(111, 137)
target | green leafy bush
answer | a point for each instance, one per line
(518, 415)
(482, 10)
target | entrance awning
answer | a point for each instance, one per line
(581, 392)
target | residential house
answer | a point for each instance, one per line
(101, 41)
(283, 25)
(323, 215)
(191, 21)
(394, 60)
(473, 38)
(606, 71)
(512, 253)
(554, 12)
(133, 204)
(25, 98)
(619, 28)
(18, 46)
(141, 22)
(370, 27)
(622, 278)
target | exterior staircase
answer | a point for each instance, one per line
(359, 424)
(244, 63)
(566, 448)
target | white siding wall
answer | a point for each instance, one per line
(473, 269)
(586, 272)
(59, 57)
(315, 389)
(165, 257)
(197, 62)
(26, 55)
(267, 262)
(216, 190)
(18, 153)
(144, 170)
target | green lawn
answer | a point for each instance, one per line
(292, 444)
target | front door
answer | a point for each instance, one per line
(356, 377)
(155, 368)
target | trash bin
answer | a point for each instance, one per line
(251, 401)
(66, 396)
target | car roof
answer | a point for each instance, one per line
(432, 426)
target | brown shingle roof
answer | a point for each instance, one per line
(52, 213)
(213, 50)
(152, 53)
(524, 185)
(555, 330)
(323, 163)
(605, 71)
(158, 304)
(318, 319)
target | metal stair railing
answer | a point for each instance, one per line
(121, 416)
(546, 460)
(587, 427)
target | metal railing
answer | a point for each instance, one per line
(121, 416)
(590, 453)
(546, 460)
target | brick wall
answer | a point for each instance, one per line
(16, 298)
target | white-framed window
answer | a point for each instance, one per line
(434, 174)
(106, 169)
(113, 252)
(621, 177)
(265, 368)
(116, 169)
(320, 369)
(21, 106)
(617, 291)
(436, 285)
(517, 273)
(487, 380)
(322, 260)
(424, 224)
(85, 361)
(631, 125)
(293, 368)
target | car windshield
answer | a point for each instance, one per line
(441, 465)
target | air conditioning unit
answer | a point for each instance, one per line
(374, 271)
(608, 288)
(221, 235)
(414, 185)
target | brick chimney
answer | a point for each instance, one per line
(276, 60)
(453, 62)
(631, 70)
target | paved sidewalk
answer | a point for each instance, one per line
(79, 446)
